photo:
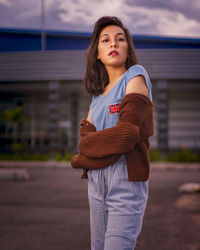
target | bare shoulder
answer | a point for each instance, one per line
(137, 85)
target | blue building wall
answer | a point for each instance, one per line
(30, 40)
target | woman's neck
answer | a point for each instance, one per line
(114, 76)
(115, 73)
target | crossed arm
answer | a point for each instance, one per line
(102, 148)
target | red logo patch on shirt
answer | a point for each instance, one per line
(114, 108)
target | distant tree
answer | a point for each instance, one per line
(12, 118)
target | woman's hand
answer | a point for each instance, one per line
(74, 160)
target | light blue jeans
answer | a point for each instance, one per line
(116, 207)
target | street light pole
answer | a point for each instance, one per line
(43, 34)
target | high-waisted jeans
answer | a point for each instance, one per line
(116, 207)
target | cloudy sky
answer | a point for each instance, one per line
(146, 17)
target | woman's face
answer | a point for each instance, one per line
(112, 46)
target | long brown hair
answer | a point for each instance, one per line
(96, 76)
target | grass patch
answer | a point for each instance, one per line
(184, 155)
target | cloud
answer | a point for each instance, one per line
(86, 14)
(20, 13)
(189, 8)
(7, 3)
(164, 22)
(153, 17)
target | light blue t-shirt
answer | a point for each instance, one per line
(105, 108)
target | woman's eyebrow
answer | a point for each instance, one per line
(118, 34)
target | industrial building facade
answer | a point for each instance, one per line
(48, 86)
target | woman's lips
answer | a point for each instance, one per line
(113, 53)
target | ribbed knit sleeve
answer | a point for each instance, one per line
(122, 137)
(82, 161)
(118, 139)
(100, 149)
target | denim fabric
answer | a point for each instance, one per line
(116, 205)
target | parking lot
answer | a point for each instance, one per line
(50, 211)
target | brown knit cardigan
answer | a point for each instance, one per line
(99, 149)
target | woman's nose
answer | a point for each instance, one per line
(113, 43)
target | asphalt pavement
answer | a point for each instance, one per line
(49, 210)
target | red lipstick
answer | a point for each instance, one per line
(113, 53)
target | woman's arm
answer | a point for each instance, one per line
(126, 113)
(137, 85)
(118, 139)
(89, 115)
(85, 162)
(122, 137)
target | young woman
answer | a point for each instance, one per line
(114, 137)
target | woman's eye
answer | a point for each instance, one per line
(120, 39)
(105, 40)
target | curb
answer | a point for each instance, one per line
(171, 166)
(16, 170)
(35, 164)
(175, 166)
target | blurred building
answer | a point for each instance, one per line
(48, 85)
